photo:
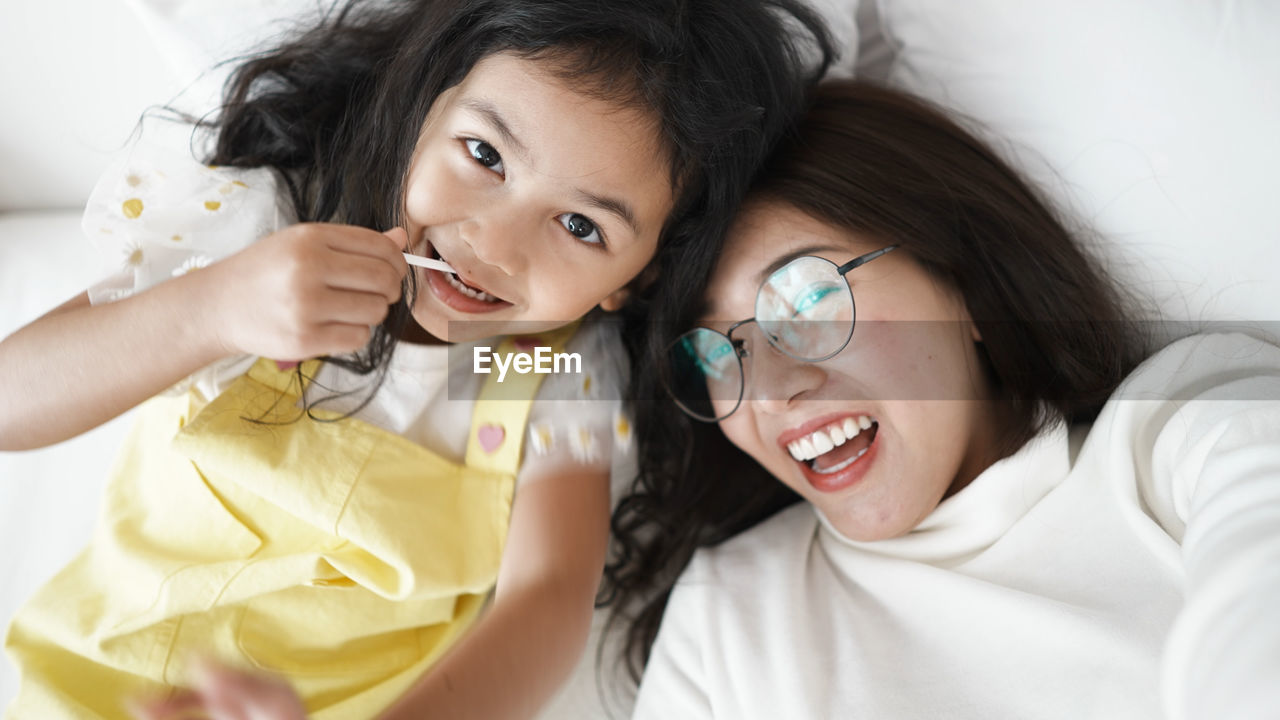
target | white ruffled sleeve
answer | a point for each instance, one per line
(158, 213)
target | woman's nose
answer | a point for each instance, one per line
(776, 381)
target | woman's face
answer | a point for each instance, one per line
(911, 372)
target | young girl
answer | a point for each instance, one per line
(342, 522)
(1003, 518)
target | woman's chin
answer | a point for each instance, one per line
(863, 517)
(860, 526)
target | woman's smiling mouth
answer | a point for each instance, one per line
(837, 453)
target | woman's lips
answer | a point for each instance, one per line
(840, 474)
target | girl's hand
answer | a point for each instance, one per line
(307, 290)
(221, 693)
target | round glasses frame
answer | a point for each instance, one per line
(739, 348)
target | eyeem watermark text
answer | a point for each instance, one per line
(540, 362)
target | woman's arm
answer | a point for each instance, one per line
(304, 291)
(1223, 655)
(1209, 407)
(527, 643)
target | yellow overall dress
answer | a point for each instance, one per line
(337, 554)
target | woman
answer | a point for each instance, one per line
(1005, 515)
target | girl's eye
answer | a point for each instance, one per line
(485, 154)
(581, 227)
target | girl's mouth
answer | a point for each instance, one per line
(455, 292)
(837, 454)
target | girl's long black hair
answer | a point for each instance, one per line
(1057, 333)
(337, 110)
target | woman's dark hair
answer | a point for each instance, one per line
(1057, 338)
(338, 109)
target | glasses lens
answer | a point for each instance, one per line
(706, 377)
(806, 309)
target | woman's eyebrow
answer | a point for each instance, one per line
(489, 112)
(777, 264)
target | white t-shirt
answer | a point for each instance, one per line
(1130, 569)
(157, 213)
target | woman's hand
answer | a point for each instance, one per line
(221, 693)
(307, 290)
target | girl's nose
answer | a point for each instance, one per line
(775, 381)
(500, 241)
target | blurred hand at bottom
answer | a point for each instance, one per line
(221, 693)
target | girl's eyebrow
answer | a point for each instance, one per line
(493, 117)
(612, 205)
(489, 112)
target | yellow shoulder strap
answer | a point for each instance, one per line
(502, 410)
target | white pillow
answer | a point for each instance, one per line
(198, 37)
(203, 39)
(1157, 122)
(77, 75)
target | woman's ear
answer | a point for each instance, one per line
(975, 332)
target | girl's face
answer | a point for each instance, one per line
(911, 371)
(545, 200)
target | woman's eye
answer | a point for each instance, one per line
(812, 297)
(581, 227)
(485, 154)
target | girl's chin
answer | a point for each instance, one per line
(445, 325)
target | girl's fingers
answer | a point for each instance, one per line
(349, 306)
(234, 694)
(363, 274)
(352, 240)
(399, 236)
(182, 705)
(334, 338)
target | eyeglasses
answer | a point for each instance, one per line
(805, 309)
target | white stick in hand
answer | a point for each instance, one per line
(432, 263)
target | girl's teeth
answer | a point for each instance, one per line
(827, 439)
(468, 291)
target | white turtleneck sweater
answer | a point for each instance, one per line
(1130, 569)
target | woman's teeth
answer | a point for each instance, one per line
(467, 289)
(821, 442)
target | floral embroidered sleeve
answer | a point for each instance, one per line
(579, 417)
(158, 213)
